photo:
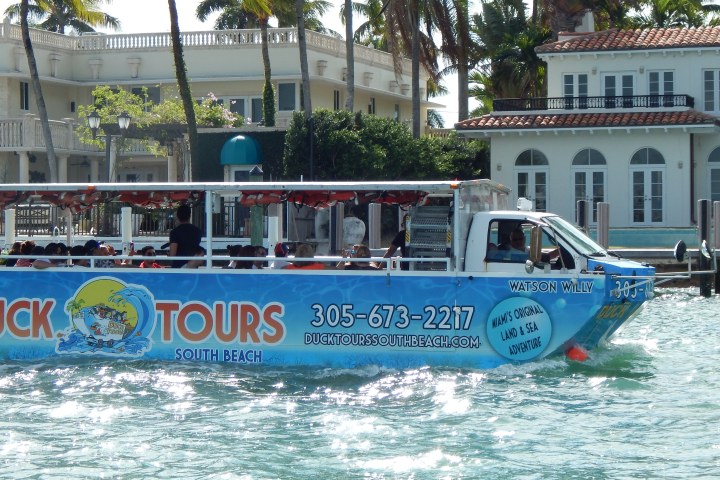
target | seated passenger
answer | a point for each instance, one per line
(303, 259)
(79, 251)
(233, 251)
(281, 253)
(513, 247)
(148, 253)
(14, 250)
(27, 248)
(358, 251)
(260, 252)
(200, 262)
(245, 251)
(49, 258)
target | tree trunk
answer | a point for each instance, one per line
(184, 87)
(350, 57)
(463, 21)
(37, 89)
(268, 116)
(415, 80)
(302, 44)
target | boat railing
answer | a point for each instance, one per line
(220, 262)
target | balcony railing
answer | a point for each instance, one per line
(585, 103)
(125, 43)
(26, 134)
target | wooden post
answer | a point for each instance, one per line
(582, 215)
(704, 234)
(603, 224)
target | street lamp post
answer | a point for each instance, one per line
(94, 123)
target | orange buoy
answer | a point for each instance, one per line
(577, 353)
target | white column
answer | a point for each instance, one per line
(24, 168)
(62, 168)
(94, 169)
(171, 169)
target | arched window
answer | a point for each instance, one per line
(714, 176)
(530, 158)
(531, 177)
(589, 156)
(647, 156)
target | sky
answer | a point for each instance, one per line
(143, 16)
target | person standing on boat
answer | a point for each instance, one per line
(185, 238)
(399, 242)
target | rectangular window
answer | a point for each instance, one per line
(371, 106)
(661, 88)
(257, 110)
(575, 85)
(711, 90)
(397, 112)
(237, 106)
(148, 94)
(336, 99)
(24, 96)
(618, 90)
(286, 97)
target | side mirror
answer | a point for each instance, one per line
(529, 266)
(535, 244)
(680, 251)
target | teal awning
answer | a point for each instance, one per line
(240, 150)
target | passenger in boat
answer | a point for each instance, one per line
(185, 238)
(399, 242)
(148, 253)
(77, 252)
(14, 250)
(50, 257)
(200, 262)
(358, 251)
(304, 252)
(233, 251)
(245, 251)
(281, 252)
(27, 248)
(94, 249)
(260, 252)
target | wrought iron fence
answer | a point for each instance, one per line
(584, 103)
(233, 220)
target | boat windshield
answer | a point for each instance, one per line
(582, 243)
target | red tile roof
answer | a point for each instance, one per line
(587, 120)
(645, 39)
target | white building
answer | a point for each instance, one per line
(225, 63)
(631, 119)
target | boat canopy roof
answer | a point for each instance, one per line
(81, 196)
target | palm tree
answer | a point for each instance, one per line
(675, 13)
(183, 84)
(405, 19)
(510, 68)
(453, 22)
(304, 72)
(349, 56)
(58, 15)
(37, 89)
(373, 31)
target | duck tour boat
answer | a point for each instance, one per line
(461, 296)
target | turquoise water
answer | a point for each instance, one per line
(645, 406)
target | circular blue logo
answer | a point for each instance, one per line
(519, 328)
